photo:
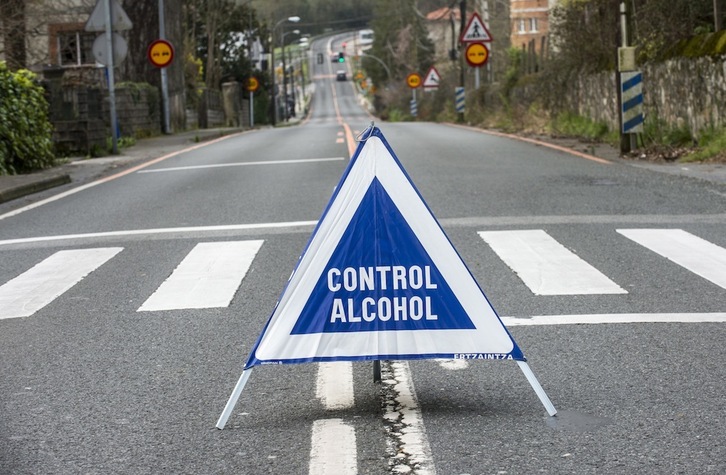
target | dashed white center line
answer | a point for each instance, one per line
(333, 451)
(334, 385)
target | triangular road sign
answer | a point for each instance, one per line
(119, 19)
(380, 280)
(475, 31)
(432, 78)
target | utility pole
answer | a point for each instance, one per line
(717, 20)
(462, 26)
(111, 81)
(164, 79)
(630, 89)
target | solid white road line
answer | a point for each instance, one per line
(695, 254)
(334, 386)
(333, 450)
(241, 164)
(208, 277)
(151, 232)
(615, 318)
(546, 266)
(40, 285)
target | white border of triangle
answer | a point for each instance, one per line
(375, 161)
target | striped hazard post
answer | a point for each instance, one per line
(460, 100)
(414, 108)
(632, 101)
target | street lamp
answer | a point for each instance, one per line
(292, 19)
(284, 73)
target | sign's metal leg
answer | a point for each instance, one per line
(537, 388)
(233, 398)
(376, 371)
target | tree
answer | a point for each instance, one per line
(401, 41)
(221, 33)
(12, 30)
(656, 25)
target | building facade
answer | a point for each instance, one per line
(530, 23)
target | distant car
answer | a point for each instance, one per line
(341, 76)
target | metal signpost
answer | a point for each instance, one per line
(252, 85)
(107, 17)
(413, 81)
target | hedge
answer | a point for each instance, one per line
(25, 131)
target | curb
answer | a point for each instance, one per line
(35, 186)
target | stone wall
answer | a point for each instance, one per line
(137, 110)
(81, 118)
(76, 115)
(681, 93)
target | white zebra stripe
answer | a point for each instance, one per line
(695, 254)
(208, 277)
(546, 266)
(40, 285)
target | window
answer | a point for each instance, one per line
(74, 48)
(533, 25)
(522, 26)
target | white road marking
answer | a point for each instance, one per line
(40, 285)
(112, 177)
(453, 365)
(408, 440)
(612, 318)
(695, 254)
(546, 266)
(334, 386)
(241, 164)
(208, 277)
(151, 232)
(333, 450)
(446, 222)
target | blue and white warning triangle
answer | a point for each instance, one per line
(380, 280)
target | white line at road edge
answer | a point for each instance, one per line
(73, 191)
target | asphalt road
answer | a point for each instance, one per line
(93, 382)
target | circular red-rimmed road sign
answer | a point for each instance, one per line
(252, 84)
(413, 80)
(160, 53)
(476, 55)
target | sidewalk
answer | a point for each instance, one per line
(82, 170)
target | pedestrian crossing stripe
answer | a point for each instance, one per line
(379, 279)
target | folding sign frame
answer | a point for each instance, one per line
(380, 280)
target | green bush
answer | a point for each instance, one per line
(25, 131)
(574, 125)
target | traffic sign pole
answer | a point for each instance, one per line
(111, 81)
(252, 109)
(252, 85)
(164, 79)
